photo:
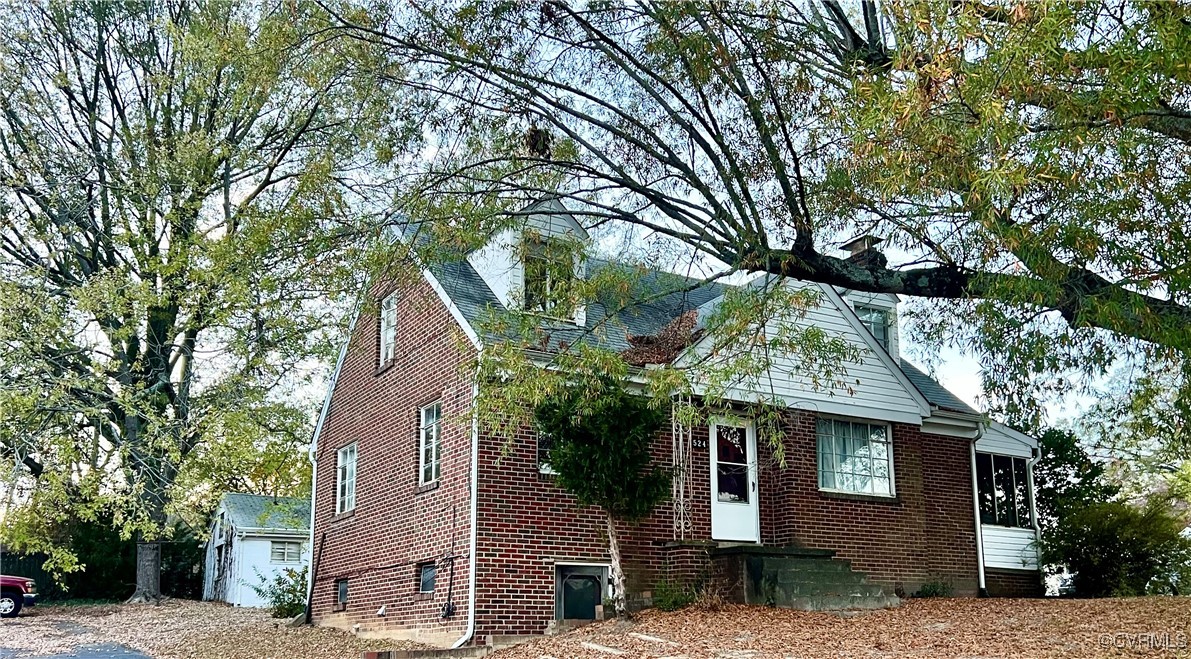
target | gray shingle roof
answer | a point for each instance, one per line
(663, 300)
(934, 392)
(662, 294)
(265, 512)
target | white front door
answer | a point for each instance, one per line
(734, 510)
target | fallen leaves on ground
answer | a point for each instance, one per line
(179, 629)
(1144, 626)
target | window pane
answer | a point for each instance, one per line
(853, 457)
(1003, 481)
(731, 445)
(733, 481)
(429, 572)
(342, 594)
(985, 490)
(1021, 493)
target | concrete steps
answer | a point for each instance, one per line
(795, 578)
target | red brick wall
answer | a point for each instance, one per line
(396, 525)
(528, 525)
(925, 533)
(1013, 583)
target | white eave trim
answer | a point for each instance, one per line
(265, 531)
(998, 427)
(452, 308)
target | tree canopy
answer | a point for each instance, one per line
(1024, 163)
(181, 209)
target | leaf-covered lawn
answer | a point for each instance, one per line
(177, 629)
(1152, 626)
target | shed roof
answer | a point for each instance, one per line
(267, 512)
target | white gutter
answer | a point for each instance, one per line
(313, 451)
(1037, 453)
(475, 495)
(982, 588)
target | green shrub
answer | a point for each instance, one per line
(286, 593)
(1119, 549)
(935, 588)
(669, 596)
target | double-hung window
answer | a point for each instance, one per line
(1003, 488)
(855, 456)
(285, 552)
(388, 328)
(545, 444)
(345, 492)
(877, 322)
(429, 444)
(549, 276)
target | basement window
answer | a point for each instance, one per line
(578, 590)
(427, 573)
(340, 595)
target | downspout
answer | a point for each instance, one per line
(313, 455)
(475, 495)
(982, 588)
(1037, 455)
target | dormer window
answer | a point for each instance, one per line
(877, 322)
(549, 276)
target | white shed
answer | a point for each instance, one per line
(253, 538)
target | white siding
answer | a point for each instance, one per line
(1001, 440)
(1009, 548)
(499, 264)
(253, 555)
(869, 389)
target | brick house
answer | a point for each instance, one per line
(426, 527)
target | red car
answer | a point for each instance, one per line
(15, 593)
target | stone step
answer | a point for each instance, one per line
(802, 574)
(814, 589)
(840, 602)
(819, 564)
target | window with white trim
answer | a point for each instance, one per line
(549, 276)
(285, 552)
(388, 328)
(1003, 488)
(877, 322)
(545, 443)
(345, 490)
(855, 456)
(429, 443)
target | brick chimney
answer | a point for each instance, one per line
(862, 250)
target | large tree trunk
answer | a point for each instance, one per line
(618, 587)
(148, 572)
